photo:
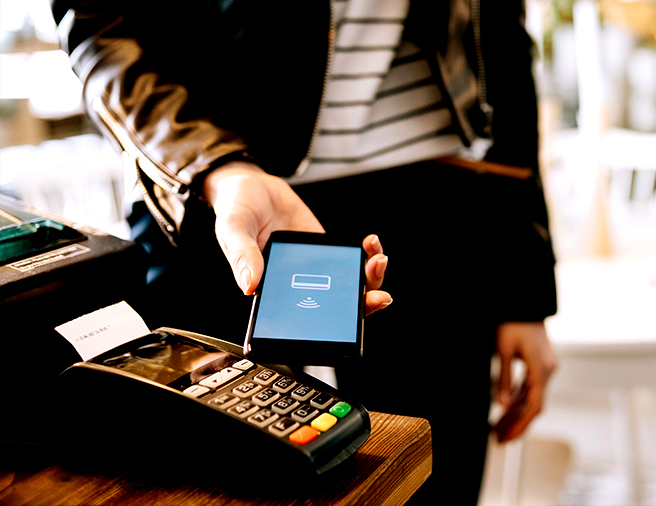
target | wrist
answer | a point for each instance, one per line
(233, 168)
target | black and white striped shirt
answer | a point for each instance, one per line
(382, 106)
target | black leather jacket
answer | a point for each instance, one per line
(182, 86)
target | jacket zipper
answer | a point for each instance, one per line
(332, 34)
(149, 201)
(157, 173)
(131, 163)
(488, 110)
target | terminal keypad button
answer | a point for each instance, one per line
(284, 384)
(244, 409)
(324, 422)
(304, 413)
(195, 390)
(263, 418)
(285, 405)
(340, 410)
(283, 427)
(243, 365)
(224, 401)
(321, 400)
(266, 397)
(265, 376)
(221, 377)
(246, 389)
(302, 393)
(304, 435)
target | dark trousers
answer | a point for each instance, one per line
(428, 354)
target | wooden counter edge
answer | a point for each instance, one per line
(408, 461)
(392, 464)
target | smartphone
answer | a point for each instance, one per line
(309, 306)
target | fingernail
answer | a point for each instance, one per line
(245, 280)
(381, 265)
(384, 305)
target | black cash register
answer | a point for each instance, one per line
(51, 272)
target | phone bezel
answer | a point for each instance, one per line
(305, 352)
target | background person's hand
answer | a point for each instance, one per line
(527, 341)
(250, 204)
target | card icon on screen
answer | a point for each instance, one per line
(310, 282)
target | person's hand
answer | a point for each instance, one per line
(250, 204)
(527, 341)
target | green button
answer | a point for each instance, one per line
(340, 410)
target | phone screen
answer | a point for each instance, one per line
(311, 292)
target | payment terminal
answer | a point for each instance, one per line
(160, 398)
(178, 395)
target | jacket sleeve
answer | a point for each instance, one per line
(137, 76)
(508, 53)
(522, 248)
(182, 86)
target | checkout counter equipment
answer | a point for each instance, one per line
(166, 398)
(175, 397)
(51, 271)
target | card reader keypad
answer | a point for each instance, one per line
(270, 401)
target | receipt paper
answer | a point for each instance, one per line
(105, 329)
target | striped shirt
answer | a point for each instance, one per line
(382, 106)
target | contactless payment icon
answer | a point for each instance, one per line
(308, 303)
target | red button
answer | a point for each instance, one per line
(303, 435)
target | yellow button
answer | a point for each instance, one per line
(324, 422)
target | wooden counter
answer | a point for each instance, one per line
(387, 470)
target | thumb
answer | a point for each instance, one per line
(247, 264)
(244, 255)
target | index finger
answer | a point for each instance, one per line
(376, 262)
(524, 407)
(372, 245)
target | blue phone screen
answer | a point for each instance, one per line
(310, 292)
